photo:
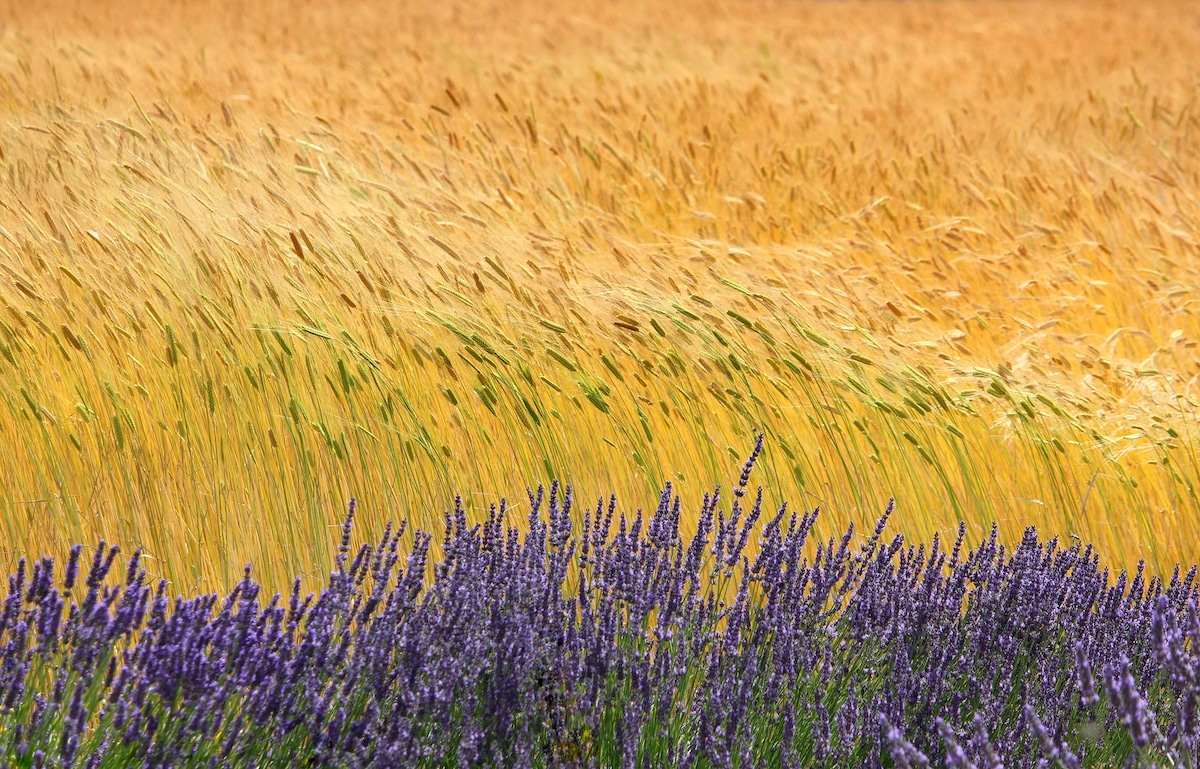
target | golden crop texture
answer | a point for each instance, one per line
(259, 257)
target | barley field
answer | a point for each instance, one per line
(262, 257)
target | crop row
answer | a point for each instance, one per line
(627, 641)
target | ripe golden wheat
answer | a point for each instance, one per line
(262, 257)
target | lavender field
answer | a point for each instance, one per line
(623, 642)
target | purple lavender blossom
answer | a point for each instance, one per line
(624, 642)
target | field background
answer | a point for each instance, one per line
(259, 257)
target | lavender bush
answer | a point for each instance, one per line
(621, 642)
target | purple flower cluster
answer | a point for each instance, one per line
(598, 638)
